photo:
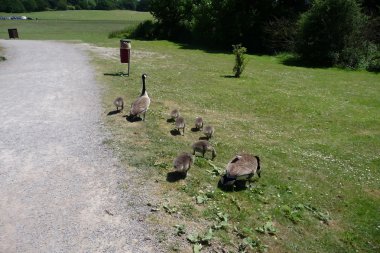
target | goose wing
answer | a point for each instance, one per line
(241, 165)
(140, 105)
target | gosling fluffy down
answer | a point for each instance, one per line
(208, 131)
(199, 123)
(241, 168)
(183, 162)
(180, 124)
(119, 102)
(174, 114)
(203, 146)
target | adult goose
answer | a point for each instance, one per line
(141, 104)
(240, 169)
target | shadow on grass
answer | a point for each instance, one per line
(296, 61)
(113, 112)
(194, 129)
(203, 138)
(203, 48)
(175, 132)
(132, 119)
(120, 74)
(229, 76)
(237, 186)
(175, 176)
(171, 120)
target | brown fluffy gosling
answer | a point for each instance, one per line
(203, 146)
(199, 123)
(174, 114)
(183, 162)
(180, 124)
(241, 168)
(119, 102)
(208, 131)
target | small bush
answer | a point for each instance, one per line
(361, 55)
(240, 60)
(125, 33)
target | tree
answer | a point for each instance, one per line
(106, 4)
(127, 4)
(62, 5)
(327, 29)
(41, 5)
(13, 6)
(173, 16)
(29, 5)
(143, 5)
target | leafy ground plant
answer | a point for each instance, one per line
(267, 228)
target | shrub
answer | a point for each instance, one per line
(280, 35)
(147, 30)
(240, 60)
(327, 32)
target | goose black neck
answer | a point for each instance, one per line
(143, 86)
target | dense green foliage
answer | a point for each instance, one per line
(324, 32)
(330, 33)
(17, 6)
(225, 22)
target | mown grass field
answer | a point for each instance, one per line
(317, 132)
(88, 26)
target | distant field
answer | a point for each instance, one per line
(89, 26)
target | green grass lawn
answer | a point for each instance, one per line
(317, 132)
(88, 26)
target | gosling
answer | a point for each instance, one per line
(174, 114)
(180, 124)
(209, 132)
(203, 146)
(241, 169)
(199, 123)
(119, 102)
(183, 162)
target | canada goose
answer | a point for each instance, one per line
(174, 114)
(241, 168)
(180, 124)
(119, 102)
(199, 123)
(203, 146)
(209, 131)
(183, 162)
(141, 104)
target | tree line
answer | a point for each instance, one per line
(320, 32)
(18, 6)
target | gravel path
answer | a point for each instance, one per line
(60, 187)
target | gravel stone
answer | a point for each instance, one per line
(61, 188)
